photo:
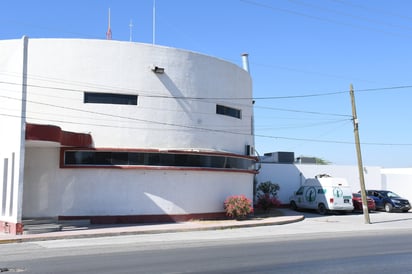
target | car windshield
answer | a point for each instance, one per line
(392, 195)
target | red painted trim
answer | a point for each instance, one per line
(11, 228)
(161, 218)
(50, 133)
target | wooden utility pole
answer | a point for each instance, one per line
(359, 155)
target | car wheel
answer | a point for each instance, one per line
(388, 207)
(293, 205)
(322, 209)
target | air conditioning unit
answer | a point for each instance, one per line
(250, 150)
(279, 157)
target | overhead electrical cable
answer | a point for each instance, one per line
(350, 15)
(385, 12)
(318, 18)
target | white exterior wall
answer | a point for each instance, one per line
(398, 180)
(176, 110)
(50, 191)
(62, 69)
(12, 128)
(291, 176)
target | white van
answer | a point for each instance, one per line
(323, 193)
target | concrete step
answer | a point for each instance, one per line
(40, 225)
(75, 224)
(44, 225)
(39, 221)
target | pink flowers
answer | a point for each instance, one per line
(266, 202)
(238, 206)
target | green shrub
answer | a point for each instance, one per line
(267, 193)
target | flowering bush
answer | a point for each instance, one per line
(267, 195)
(266, 202)
(238, 206)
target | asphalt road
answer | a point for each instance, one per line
(320, 244)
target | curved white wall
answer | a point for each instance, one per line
(167, 115)
(176, 110)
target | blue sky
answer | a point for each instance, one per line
(303, 56)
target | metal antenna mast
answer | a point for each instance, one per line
(130, 26)
(109, 31)
(154, 22)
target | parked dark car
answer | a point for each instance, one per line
(357, 202)
(388, 200)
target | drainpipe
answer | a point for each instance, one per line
(245, 65)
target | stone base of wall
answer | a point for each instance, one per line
(11, 228)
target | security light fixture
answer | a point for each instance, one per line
(157, 69)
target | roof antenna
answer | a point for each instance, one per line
(130, 26)
(109, 31)
(154, 22)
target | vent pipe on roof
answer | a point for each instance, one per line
(245, 61)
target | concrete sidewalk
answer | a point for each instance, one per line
(91, 231)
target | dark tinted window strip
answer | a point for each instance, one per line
(110, 98)
(104, 158)
(228, 111)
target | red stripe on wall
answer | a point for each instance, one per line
(50, 133)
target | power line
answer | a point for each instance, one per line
(269, 7)
(191, 127)
(362, 7)
(323, 74)
(304, 111)
(217, 130)
(225, 131)
(299, 96)
(306, 125)
(384, 88)
(361, 18)
(331, 141)
(127, 118)
(145, 93)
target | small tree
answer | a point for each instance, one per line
(267, 195)
(320, 161)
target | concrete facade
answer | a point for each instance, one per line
(44, 83)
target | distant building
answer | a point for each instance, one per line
(120, 132)
(278, 168)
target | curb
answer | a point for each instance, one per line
(90, 233)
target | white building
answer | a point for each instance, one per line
(281, 168)
(120, 132)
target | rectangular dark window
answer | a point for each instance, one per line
(110, 98)
(87, 158)
(228, 111)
